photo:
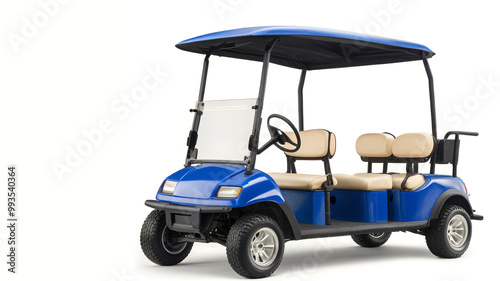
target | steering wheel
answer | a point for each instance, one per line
(279, 138)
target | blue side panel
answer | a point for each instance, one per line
(308, 206)
(394, 202)
(417, 205)
(359, 206)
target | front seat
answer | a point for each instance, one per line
(317, 144)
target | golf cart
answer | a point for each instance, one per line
(220, 197)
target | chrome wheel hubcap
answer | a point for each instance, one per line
(264, 247)
(457, 232)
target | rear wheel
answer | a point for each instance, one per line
(255, 246)
(371, 240)
(157, 241)
(451, 236)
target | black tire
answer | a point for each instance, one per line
(155, 243)
(371, 240)
(443, 240)
(243, 242)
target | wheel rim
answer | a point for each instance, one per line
(377, 235)
(171, 248)
(457, 232)
(264, 247)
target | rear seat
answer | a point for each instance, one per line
(417, 146)
(374, 145)
(363, 181)
(412, 183)
(412, 148)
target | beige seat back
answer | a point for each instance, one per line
(374, 145)
(413, 145)
(317, 143)
(413, 148)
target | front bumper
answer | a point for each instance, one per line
(188, 219)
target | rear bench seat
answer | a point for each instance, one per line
(363, 197)
(363, 181)
(373, 146)
(412, 148)
(412, 183)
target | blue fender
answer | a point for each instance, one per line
(423, 204)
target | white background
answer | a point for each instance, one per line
(74, 69)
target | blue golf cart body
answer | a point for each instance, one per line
(226, 200)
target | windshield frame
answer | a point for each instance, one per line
(225, 128)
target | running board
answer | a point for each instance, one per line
(341, 228)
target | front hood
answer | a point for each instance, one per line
(200, 181)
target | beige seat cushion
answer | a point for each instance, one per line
(315, 143)
(413, 182)
(413, 145)
(374, 145)
(363, 181)
(299, 181)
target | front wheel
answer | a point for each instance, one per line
(157, 241)
(255, 246)
(371, 240)
(451, 236)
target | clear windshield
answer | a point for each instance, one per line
(225, 129)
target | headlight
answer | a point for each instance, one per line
(168, 187)
(229, 192)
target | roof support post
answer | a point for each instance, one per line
(204, 73)
(301, 99)
(254, 138)
(201, 95)
(433, 107)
